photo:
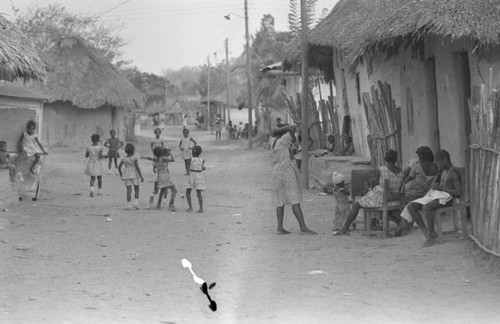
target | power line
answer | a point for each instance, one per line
(112, 8)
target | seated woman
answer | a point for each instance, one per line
(374, 197)
(418, 180)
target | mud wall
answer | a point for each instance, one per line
(68, 125)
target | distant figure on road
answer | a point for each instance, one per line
(185, 122)
(131, 174)
(218, 127)
(113, 144)
(95, 154)
(157, 141)
(185, 147)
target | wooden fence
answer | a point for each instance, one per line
(384, 123)
(484, 169)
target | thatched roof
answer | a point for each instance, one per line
(358, 26)
(79, 74)
(18, 58)
(478, 21)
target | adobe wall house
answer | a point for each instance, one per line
(18, 60)
(87, 95)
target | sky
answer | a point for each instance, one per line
(170, 34)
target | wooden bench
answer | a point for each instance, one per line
(462, 205)
(358, 179)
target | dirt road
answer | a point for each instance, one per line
(63, 262)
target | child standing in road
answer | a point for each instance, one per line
(340, 195)
(131, 175)
(157, 141)
(196, 180)
(158, 152)
(185, 147)
(113, 144)
(93, 169)
(163, 179)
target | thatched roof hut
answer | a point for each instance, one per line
(82, 76)
(346, 28)
(412, 22)
(18, 58)
(358, 27)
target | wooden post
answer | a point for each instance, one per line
(305, 96)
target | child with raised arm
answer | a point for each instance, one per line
(5, 161)
(93, 169)
(113, 144)
(163, 179)
(196, 180)
(158, 152)
(130, 175)
(185, 147)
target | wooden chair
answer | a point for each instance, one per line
(384, 211)
(462, 205)
(358, 179)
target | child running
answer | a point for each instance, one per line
(113, 144)
(94, 153)
(195, 180)
(185, 146)
(131, 175)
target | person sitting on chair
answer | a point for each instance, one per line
(441, 194)
(374, 197)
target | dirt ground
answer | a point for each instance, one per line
(63, 262)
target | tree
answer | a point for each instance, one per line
(294, 16)
(45, 25)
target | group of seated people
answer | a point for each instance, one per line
(425, 185)
(348, 148)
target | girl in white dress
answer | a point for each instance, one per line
(196, 180)
(95, 154)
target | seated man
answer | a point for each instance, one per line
(441, 194)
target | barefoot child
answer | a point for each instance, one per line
(5, 163)
(158, 152)
(163, 179)
(185, 146)
(340, 194)
(130, 175)
(94, 153)
(113, 144)
(195, 180)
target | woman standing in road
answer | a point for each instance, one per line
(285, 181)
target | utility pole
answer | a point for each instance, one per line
(208, 94)
(305, 96)
(227, 81)
(249, 80)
